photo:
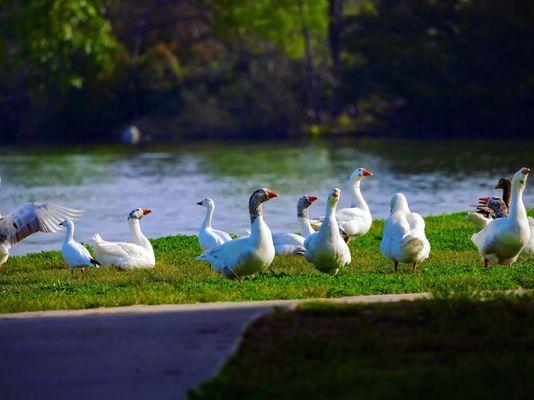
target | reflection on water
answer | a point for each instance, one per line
(107, 183)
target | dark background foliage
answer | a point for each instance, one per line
(82, 70)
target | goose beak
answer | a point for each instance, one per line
(336, 193)
(146, 211)
(366, 172)
(483, 199)
(525, 171)
(312, 198)
(271, 194)
(199, 203)
(62, 223)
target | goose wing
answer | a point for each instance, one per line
(32, 218)
(498, 206)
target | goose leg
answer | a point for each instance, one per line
(485, 263)
(396, 265)
(414, 267)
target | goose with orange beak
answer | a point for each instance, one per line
(291, 243)
(355, 220)
(249, 255)
(122, 255)
(326, 249)
(503, 239)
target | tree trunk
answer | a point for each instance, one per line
(335, 26)
(311, 95)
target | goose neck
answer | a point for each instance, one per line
(69, 236)
(136, 234)
(517, 208)
(357, 200)
(305, 227)
(207, 218)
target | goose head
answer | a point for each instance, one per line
(67, 224)
(504, 183)
(398, 203)
(520, 178)
(333, 198)
(262, 195)
(359, 174)
(303, 203)
(207, 202)
(138, 213)
(257, 198)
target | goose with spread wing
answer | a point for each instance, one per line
(248, 255)
(122, 255)
(355, 220)
(29, 219)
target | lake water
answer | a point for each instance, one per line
(108, 182)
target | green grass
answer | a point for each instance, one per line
(41, 281)
(436, 349)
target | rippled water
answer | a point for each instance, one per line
(437, 177)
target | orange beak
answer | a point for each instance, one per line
(483, 199)
(525, 171)
(312, 198)
(146, 211)
(367, 172)
(271, 194)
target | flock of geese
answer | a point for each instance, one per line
(504, 231)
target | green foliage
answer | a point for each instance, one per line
(58, 42)
(278, 23)
(447, 67)
(42, 281)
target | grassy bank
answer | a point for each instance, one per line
(42, 281)
(429, 349)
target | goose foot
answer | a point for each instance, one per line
(396, 265)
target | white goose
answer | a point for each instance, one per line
(122, 255)
(501, 241)
(74, 254)
(29, 219)
(326, 249)
(247, 255)
(291, 243)
(207, 236)
(355, 220)
(404, 238)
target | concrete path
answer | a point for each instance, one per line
(136, 352)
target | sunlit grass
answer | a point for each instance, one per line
(41, 281)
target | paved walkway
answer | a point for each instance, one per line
(136, 352)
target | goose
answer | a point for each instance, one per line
(207, 236)
(490, 208)
(404, 238)
(74, 254)
(326, 249)
(356, 220)
(247, 255)
(501, 241)
(291, 243)
(29, 219)
(122, 255)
